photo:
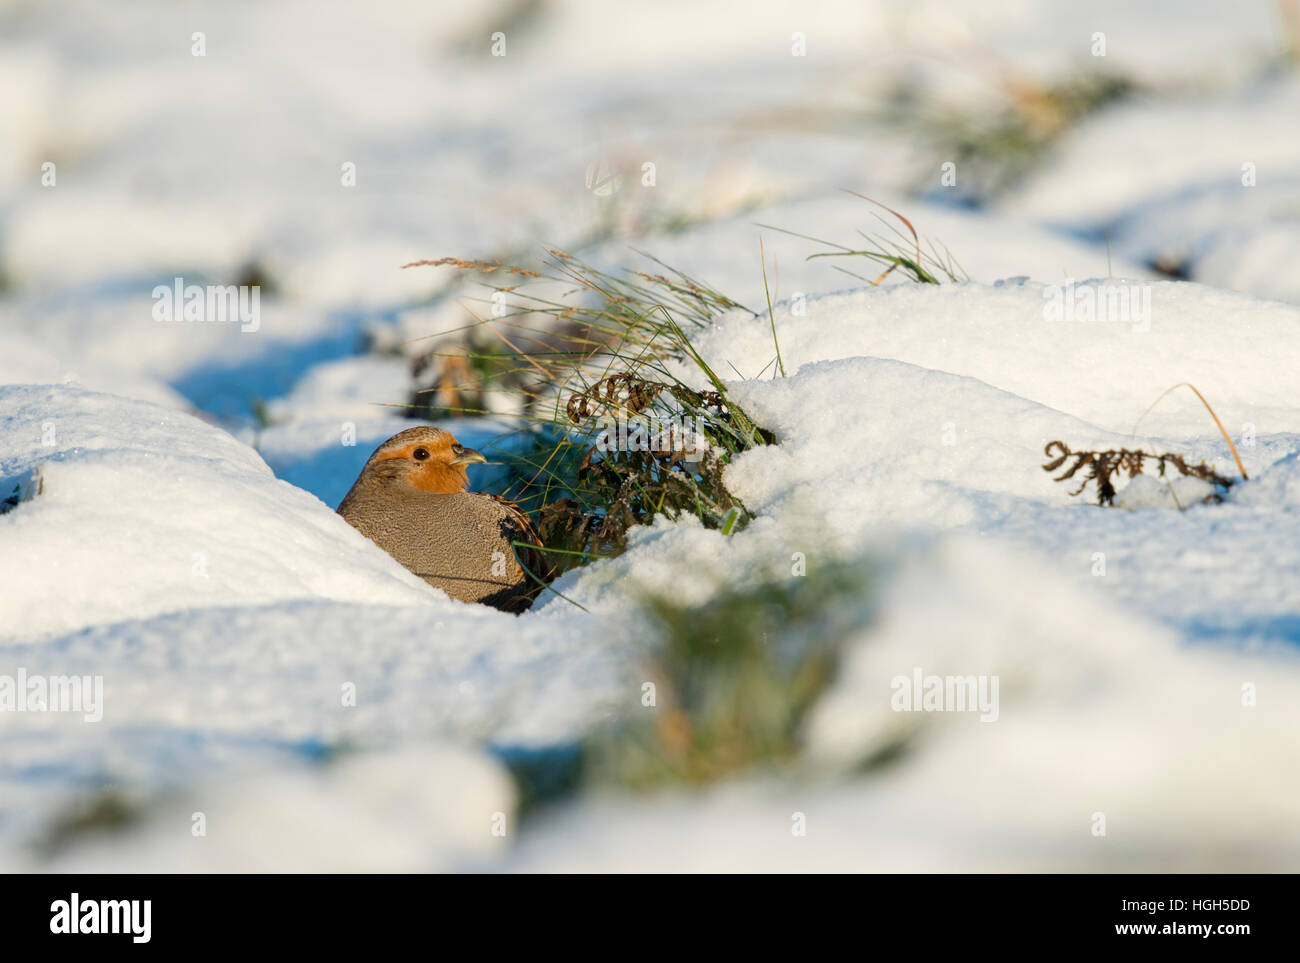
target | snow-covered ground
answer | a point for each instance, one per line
(270, 676)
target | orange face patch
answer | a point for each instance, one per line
(429, 465)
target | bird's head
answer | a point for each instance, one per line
(429, 459)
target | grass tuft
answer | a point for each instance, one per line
(101, 812)
(762, 258)
(628, 419)
(995, 149)
(734, 682)
(892, 251)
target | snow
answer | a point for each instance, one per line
(1100, 712)
(267, 667)
(1204, 184)
(889, 423)
(1146, 491)
(1149, 151)
(147, 511)
(1104, 371)
(416, 810)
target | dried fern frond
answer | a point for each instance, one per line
(1102, 466)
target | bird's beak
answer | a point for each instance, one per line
(469, 457)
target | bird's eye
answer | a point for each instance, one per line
(420, 454)
(458, 449)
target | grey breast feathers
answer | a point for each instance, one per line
(462, 544)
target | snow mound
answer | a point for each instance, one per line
(430, 809)
(1102, 721)
(1103, 371)
(146, 510)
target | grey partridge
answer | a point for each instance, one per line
(411, 500)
